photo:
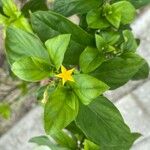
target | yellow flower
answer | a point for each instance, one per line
(66, 75)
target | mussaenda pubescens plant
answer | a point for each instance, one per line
(80, 62)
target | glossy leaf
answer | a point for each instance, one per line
(3, 19)
(70, 7)
(12, 16)
(103, 124)
(34, 5)
(45, 143)
(127, 11)
(143, 72)
(73, 53)
(23, 44)
(140, 3)
(1, 8)
(90, 59)
(87, 88)
(72, 127)
(130, 43)
(54, 24)
(57, 47)
(111, 36)
(137, 3)
(57, 24)
(88, 145)
(74, 49)
(31, 69)
(100, 42)
(42, 140)
(96, 20)
(65, 139)
(43, 92)
(117, 71)
(113, 15)
(22, 23)
(10, 8)
(60, 110)
(104, 44)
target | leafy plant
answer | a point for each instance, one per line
(81, 62)
(11, 15)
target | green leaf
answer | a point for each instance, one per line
(34, 5)
(1, 8)
(137, 3)
(40, 92)
(20, 44)
(90, 59)
(140, 3)
(112, 14)
(110, 36)
(48, 91)
(87, 88)
(54, 24)
(130, 43)
(103, 124)
(57, 47)
(12, 16)
(127, 11)
(117, 71)
(72, 127)
(60, 110)
(70, 7)
(22, 23)
(3, 20)
(82, 22)
(96, 20)
(143, 72)
(104, 44)
(74, 49)
(73, 53)
(10, 9)
(31, 69)
(88, 145)
(5, 110)
(42, 140)
(45, 141)
(100, 42)
(57, 24)
(63, 139)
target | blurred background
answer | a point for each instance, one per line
(22, 118)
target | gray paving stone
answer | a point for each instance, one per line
(141, 26)
(19, 105)
(143, 145)
(144, 49)
(143, 96)
(17, 138)
(115, 95)
(42, 148)
(134, 116)
(141, 30)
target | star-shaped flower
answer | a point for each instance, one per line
(66, 75)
